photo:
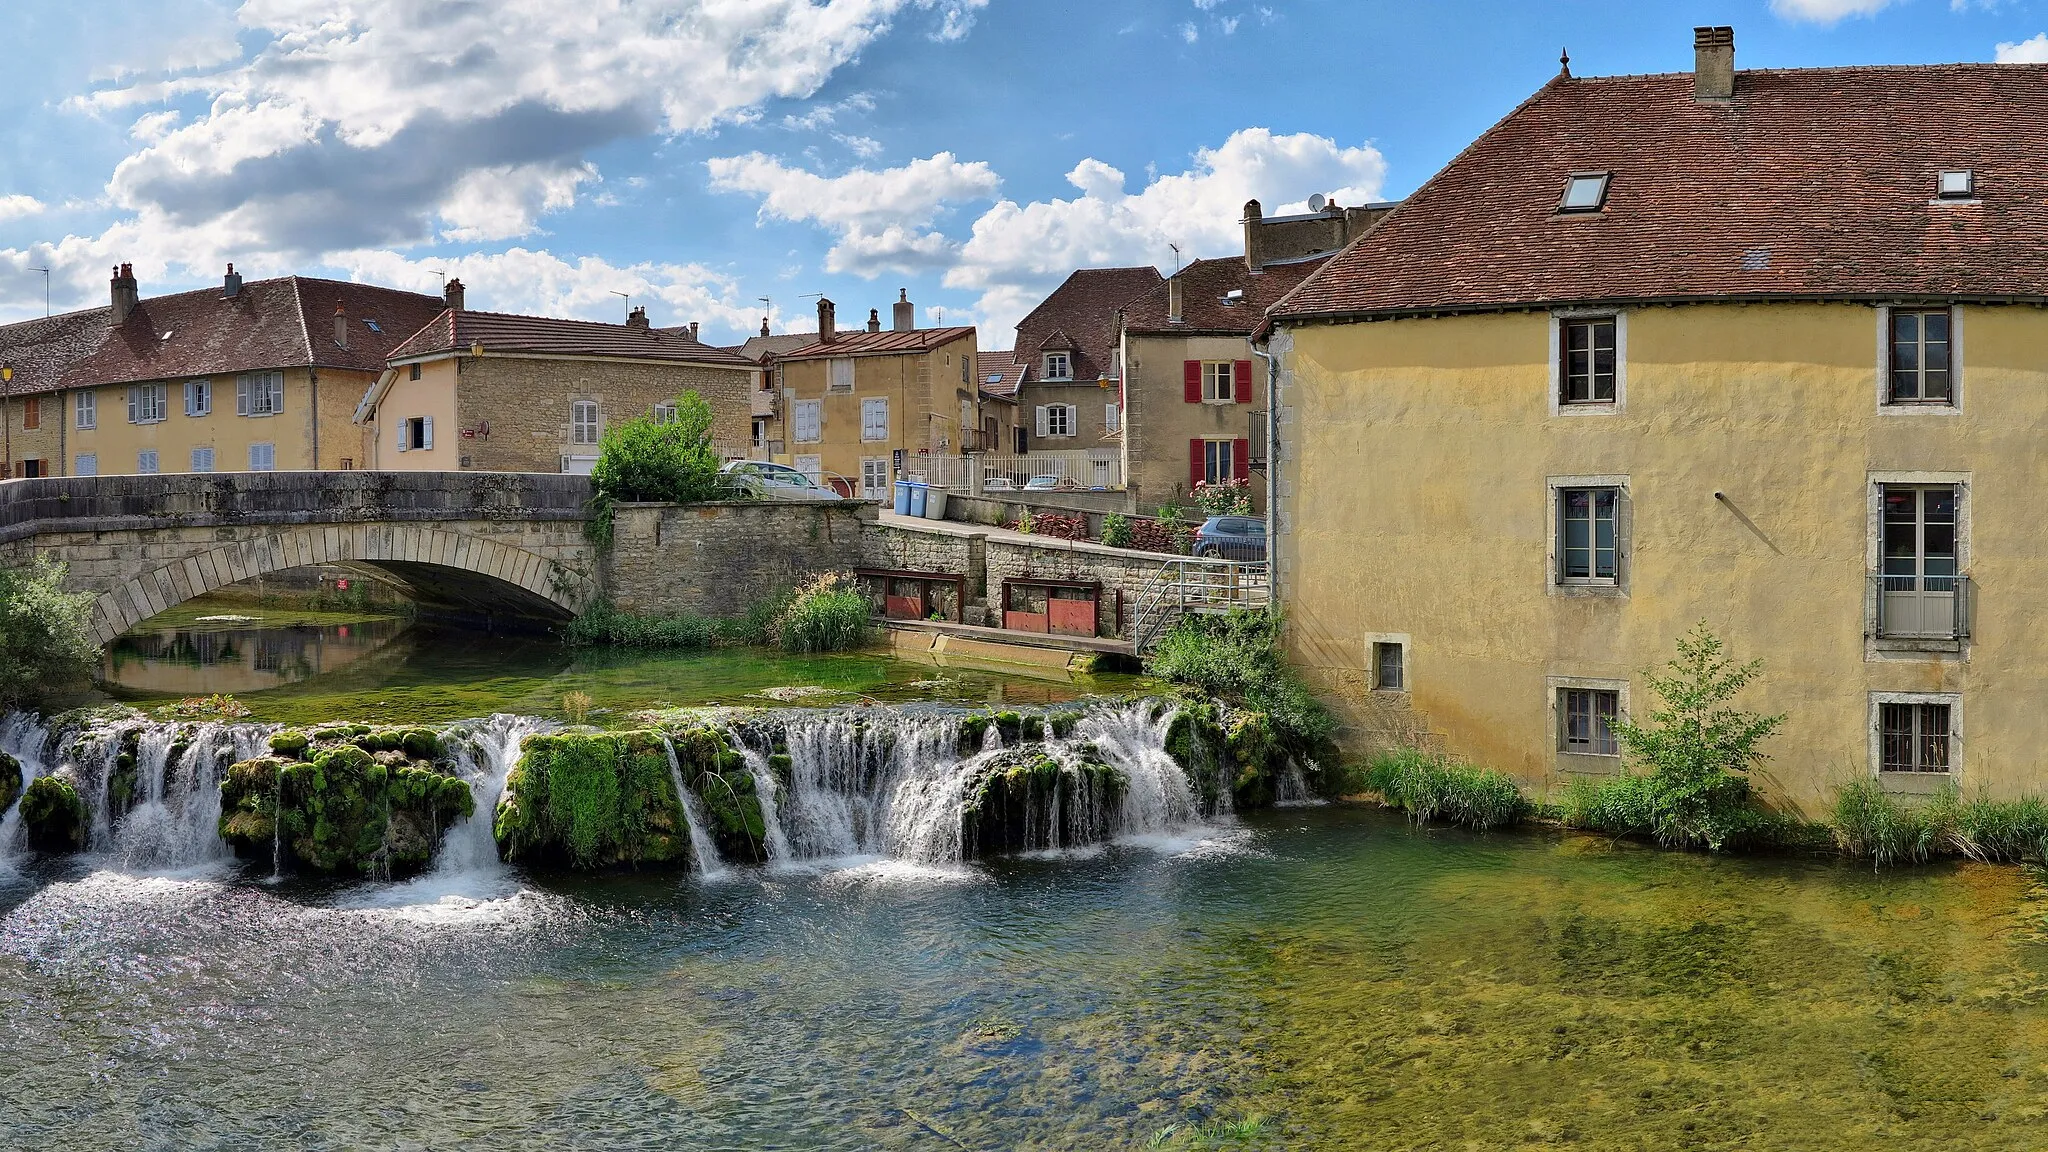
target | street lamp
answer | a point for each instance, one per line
(6, 423)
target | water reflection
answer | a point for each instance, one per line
(240, 653)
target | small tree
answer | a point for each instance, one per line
(646, 460)
(1698, 749)
(45, 633)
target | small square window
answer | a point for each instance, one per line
(1957, 184)
(1584, 192)
(1389, 668)
(1584, 721)
(1915, 737)
(1586, 349)
(1588, 549)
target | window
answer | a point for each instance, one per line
(874, 418)
(1059, 366)
(414, 372)
(85, 464)
(259, 393)
(665, 413)
(372, 326)
(88, 406)
(760, 431)
(1112, 417)
(812, 466)
(1584, 192)
(1584, 716)
(1586, 546)
(810, 421)
(583, 422)
(202, 459)
(1219, 465)
(1586, 364)
(198, 397)
(1920, 360)
(1219, 384)
(1913, 737)
(348, 463)
(32, 469)
(966, 371)
(1956, 184)
(1056, 419)
(874, 477)
(1389, 675)
(262, 457)
(841, 374)
(1918, 555)
(147, 403)
(145, 462)
(31, 413)
(416, 434)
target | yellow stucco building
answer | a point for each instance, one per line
(1767, 350)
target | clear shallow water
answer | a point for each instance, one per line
(1356, 982)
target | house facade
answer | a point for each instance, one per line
(1070, 365)
(253, 376)
(1762, 349)
(492, 392)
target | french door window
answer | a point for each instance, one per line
(1919, 561)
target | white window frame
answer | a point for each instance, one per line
(148, 403)
(1917, 782)
(664, 414)
(1058, 366)
(807, 416)
(86, 411)
(199, 397)
(1216, 448)
(1065, 415)
(1623, 529)
(85, 464)
(839, 376)
(148, 463)
(1112, 417)
(586, 422)
(202, 459)
(1554, 688)
(812, 466)
(1880, 648)
(1886, 406)
(1563, 316)
(1219, 381)
(874, 477)
(259, 394)
(263, 456)
(874, 419)
(423, 442)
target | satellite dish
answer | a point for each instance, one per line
(1316, 202)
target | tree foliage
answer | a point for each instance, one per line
(646, 460)
(45, 633)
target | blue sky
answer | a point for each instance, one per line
(701, 154)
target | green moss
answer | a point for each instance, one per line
(973, 733)
(420, 744)
(1032, 728)
(717, 774)
(291, 743)
(1010, 725)
(53, 815)
(591, 801)
(10, 781)
(248, 804)
(344, 811)
(1256, 757)
(1063, 724)
(1024, 800)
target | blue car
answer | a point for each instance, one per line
(1231, 538)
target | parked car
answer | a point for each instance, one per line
(999, 484)
(1231, 538)
(1043, 483)
(760, 480)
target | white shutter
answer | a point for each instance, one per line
(405, 435)
(241, 395)
(276, 393)
(426, 431)
(1044, 420)
(132, 397)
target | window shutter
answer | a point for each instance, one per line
(1241, 372)
(1191, 380)
(405, 435)
(1241, 457)
(426, 432)
(132, 397)
(241, 395)
(1044, 420)
(1196, 464)
(276, 393)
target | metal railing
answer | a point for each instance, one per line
(1201, 586)
(1919, 607)
(1082, 469)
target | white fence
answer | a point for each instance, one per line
(1095, 469)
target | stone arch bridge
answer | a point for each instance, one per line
(485, 544)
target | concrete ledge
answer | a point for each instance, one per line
(956, 635)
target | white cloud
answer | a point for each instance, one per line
(1018, 252)
(865, 147)
(826, 115)
(1827, 11)
(2034, 51)
(956, 17)
(155, 126)
(1189, 33)
(883, 216)
(15, 207)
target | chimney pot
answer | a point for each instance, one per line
(231, 284)
(1713, 68)
(1173, 300)
(693, 329)
(874, 320)
(904, 314)
(764, 326)
(637, 318)
(124, 293)
(341, 325)
(452, 295)
(827, 331)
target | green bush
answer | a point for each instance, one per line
(829, 614)
(1434, 789)
(603, 624)
(1116, 530)
(1237, 657)
(642, 460)
(45, 633)
(1869, 822)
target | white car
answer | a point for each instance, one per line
(761, 480)
(999, 484)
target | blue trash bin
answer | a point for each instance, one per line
(918, 494)
(903, 498)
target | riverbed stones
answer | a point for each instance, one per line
(590, 801)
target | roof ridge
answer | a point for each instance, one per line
(305, 326)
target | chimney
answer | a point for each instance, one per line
(906, 312)
(124, 293)
(1713, 64)
(874, 319)
(827, 332)
(693, 330)
(340, 326)
(231, 286)
(764, 325)
(1173, 299)
(452, 293)
(637, 318)
(1254, 257)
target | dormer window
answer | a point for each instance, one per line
(1957, 184)
(1584, 192)
(1059, 366)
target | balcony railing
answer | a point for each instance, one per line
(1920, 607)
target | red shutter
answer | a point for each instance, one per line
(1242, 377)
(1241, 457)
(1196, 464)
(1191, 380)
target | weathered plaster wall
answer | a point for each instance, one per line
(1414, 502)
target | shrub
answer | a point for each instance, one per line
(45, 633)
(603, 625)
(1225, 497)
(1027, 523)
(1116, 530)
(1180, 535)
(1868, 821)
(576, 706)
(827, 615)
(1434, 789)
(1237, 656)
(642, 460)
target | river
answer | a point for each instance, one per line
(1305, 978)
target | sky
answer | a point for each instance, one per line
(696, 156)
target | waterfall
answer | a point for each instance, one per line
(706, 852)
(1157, 798)
(766, 790)
(1291, 789)
(23, 737)
(873, 783)
(484, 756)
(175, 818)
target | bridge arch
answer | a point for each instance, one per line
(446, 568)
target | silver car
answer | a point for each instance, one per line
(760, 480)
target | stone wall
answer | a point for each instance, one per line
(526, 403)
(721, 559)
(988, 561)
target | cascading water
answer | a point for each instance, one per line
(1157, 797)
(175, 818)
(485, 755)
(767, 791)
(709, 865)
(23, 737)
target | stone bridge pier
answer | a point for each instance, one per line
(496, 546)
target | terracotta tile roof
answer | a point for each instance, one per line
(884, 343)
(1080, 317)
(504, 333)
(760, 349)
(1000, 375)
(282, 323)
(40, 350)
(1816, 182)
(1205, 303)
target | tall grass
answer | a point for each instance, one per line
(1870, 822)
(829, 614)
(1436, 790)
(603, 625)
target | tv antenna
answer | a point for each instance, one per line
(46, 290)
(1176, 257)
(628, 298)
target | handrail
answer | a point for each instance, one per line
(1960, 590)
(1186, 585)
